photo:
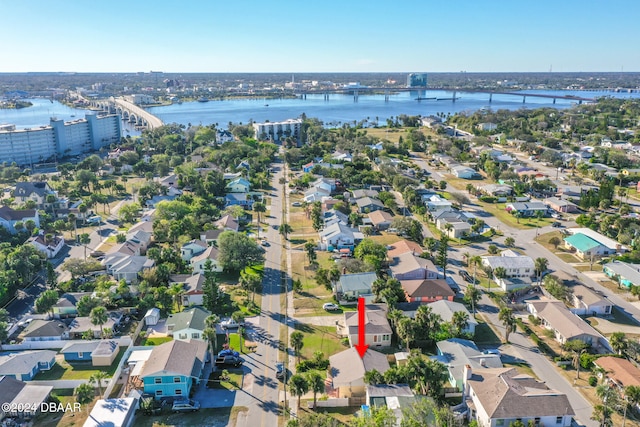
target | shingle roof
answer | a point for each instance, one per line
(620, 370)
(375, 320)
(210, 253)
(378, 217)
(625, 270)
(193, 318)
(10, 214)
(357, 281)
(409, 262)
(446, 309)
(23, 362)
(459, 352)
(105, 348)
(561, 319)
(44, 328)
(348, 369)
(176, 357)
(504, 393)
(368, 201)
(507, 261)
(587, 295)
(24, 189)
(402, 247)
(80, 347)
(427, 288)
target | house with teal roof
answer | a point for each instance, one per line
(584, 246)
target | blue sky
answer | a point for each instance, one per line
(320, 36)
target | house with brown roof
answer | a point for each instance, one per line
(377, 329)
(173, 368)
(500, 396)
(380, 220)
(192, 285)
(619, 371)
(228, 223)
(402, 247)
(586, 301)
(427, 290)
(10, 217)
(566, 326)
(49, 247)
(347, 369)
(410, 267)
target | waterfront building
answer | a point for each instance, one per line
(417, 80)
(58, 139)
(275, 131)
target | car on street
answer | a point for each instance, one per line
(466, 276)
(230, 324)
(186, 405)
(556, 224)
(96, 219)
(296, 204)
(280, 371)
(96, 254)
(329, 306)
(264, 242)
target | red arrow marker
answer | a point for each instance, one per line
(361, 347)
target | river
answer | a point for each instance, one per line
(337, 110)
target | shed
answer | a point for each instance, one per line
(105, 353)
(152, 317)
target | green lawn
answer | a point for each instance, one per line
(77, 371)
(155, 340)
(235, 381)
(568, 258)
(484, 333)
(217, 417)
(319, 338)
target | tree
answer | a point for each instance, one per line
(373, 377)
(555, 241)
(250, 282)
(407, 331)
(460, 321)
(471, 297)
(379, 416)
(99, 316)
(259, 208)
(541, 265)
(237, 251)
(603, 412)
(84, 240)
(46, 301)
(86, 304)
(297, 343)
(492, 249)
(508, 320)
(316, 384)
(97, 379)
(285, 230)
(84, 393)
(500, 272)
(475, 261)
(441, 259)
(211, 331)
(510, 242)
(129, 212)
(618, 341)
(310, 249)
(177, 290)
(298, 386)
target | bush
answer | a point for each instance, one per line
(309, 365)
(593, 381)
(534, 320)
(488, 199)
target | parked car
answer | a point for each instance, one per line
(296, 204)
(556, 224)
(264, 242)
(229, 360)
(96, 219)
(230, 324)
(96, 254)
(329, 306)
(280, 371)
(466, 276)
(186, 405)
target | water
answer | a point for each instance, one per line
(338, 110)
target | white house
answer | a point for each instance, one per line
(446, 310)
(436, 204)
(199, 262)
(515, 265)
(588, 302)
(188, 325)
(377, 329)
(10, 217)
(49, 248)
(126, 267)
(463, 172)
(192, 248)
(338, 236)
(586, 243)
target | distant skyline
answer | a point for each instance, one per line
(329, 36)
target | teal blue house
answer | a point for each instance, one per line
(25, 365)
(174, 368)
(625, 273)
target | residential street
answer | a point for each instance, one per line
(263, 392)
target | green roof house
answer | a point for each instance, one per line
(584, 246)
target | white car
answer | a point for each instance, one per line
(296, 204)
(329, 306)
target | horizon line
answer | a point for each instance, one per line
(318, 72)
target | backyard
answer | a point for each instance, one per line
(213, 417)
(319, 338)
(63, 370)
(64, 419)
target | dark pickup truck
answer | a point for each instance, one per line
(229, 360)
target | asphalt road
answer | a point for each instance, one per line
(263, 405)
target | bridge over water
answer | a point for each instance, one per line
(356, 91)
(129, 112)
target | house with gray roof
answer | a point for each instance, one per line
(66, 305)
(627, 274)
(22, 400)
(528, 209)
(25, 365)
(188, 325)
(82, 324)
(44, 330)
(32, 191)
(359, 194)
(173, 368)
(192, 284)
(456, 353)
(351, 286)
(587, 301)
(369, 204)
(499, 396)
(566, 326)
(515, 265)
(446, 309)
(339, 235)
(347, 369)
(126, 267)
(377, 329)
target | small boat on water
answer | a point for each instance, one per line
(266, 105)
(203, 100)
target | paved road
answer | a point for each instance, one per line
(263, 389)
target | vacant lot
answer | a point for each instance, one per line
(319, 338)
(213, 417)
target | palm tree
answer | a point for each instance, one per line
(259, 208)
(471, 297)
(177, 290)
(618, 341)
(99, 316)
(97, 379)
(541, 265)
(297, 343)
(460, 321)
(466, 257)
(285, 230)
(373, 377)
(84, 240)
(298, 386)
(316, 384)
(475, 261)
(517, 214)
(510, 242)
(508, 320)
(407, 331)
